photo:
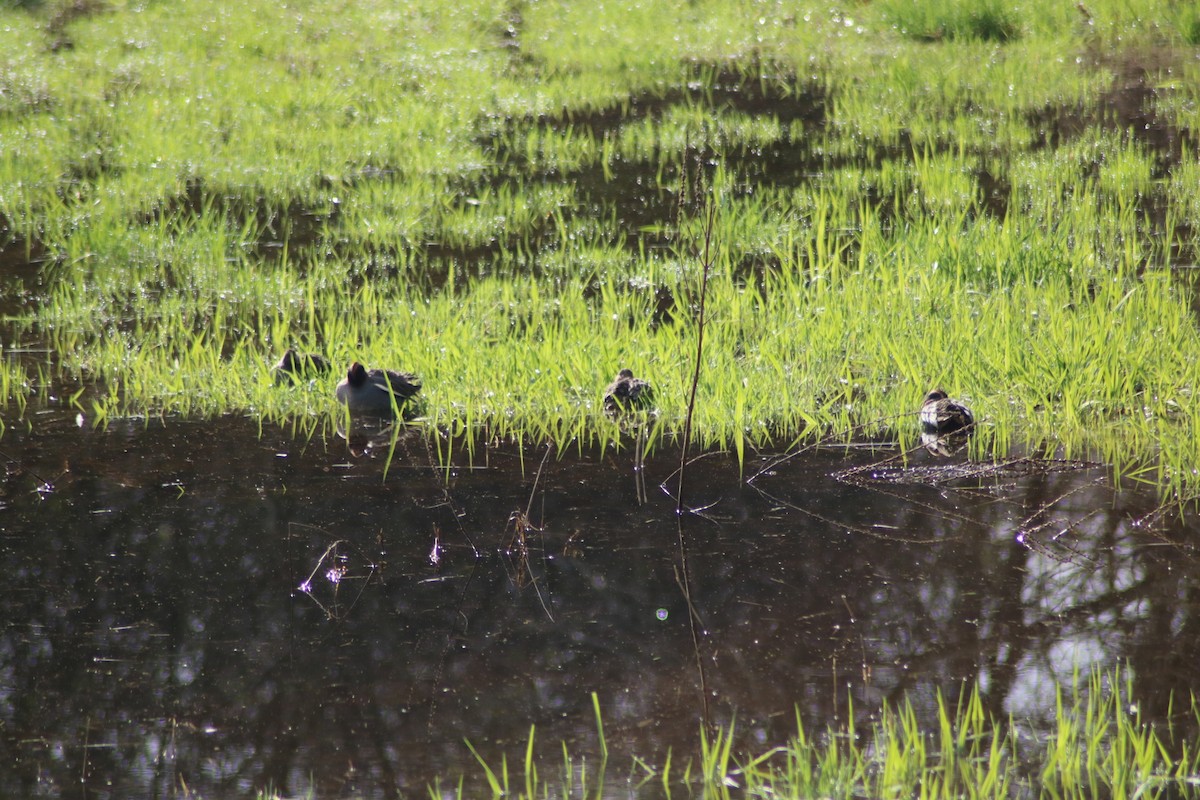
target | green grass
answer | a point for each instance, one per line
(1094, 745)
(499, 197)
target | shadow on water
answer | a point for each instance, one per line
(196, 603)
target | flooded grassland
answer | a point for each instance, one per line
(212, 590)
(512, 203)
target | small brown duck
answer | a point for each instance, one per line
(376, 392)
(627, 393)
(294, 366)
(941, 415)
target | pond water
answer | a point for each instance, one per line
(213, 606)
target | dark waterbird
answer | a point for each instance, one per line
(627, 393)
(296, 366)
(376, 392)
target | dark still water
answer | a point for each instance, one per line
(206, 607)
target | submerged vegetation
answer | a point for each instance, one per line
(505, 198)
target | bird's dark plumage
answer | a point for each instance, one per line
(296, 366)
(376, 392)
(627, 393)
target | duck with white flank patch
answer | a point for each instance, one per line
(946, 424)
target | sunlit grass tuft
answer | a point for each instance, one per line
(990, 20)
(1095, 743)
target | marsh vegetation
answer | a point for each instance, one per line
(513, 200)
(503, 199)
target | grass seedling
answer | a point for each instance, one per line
(1094, 745)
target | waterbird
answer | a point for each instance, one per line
(941, 415)
(376, 392)
(627, 393)
(294, 366)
